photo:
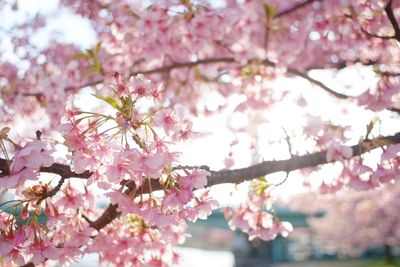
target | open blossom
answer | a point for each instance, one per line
(81, 237)
(124, 202)
(40, 250)
(32, 156)
(26, 164)
(266, 234)
(384, 175)
(6, 245)
(121, 167)
(338, 152)
(18, 179)
(202, 210)
(198, 178)
(124, 146)
(82, 162)
(141, 86)
(392, 151)
(17, 257)
(167, 120)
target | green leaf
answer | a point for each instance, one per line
(370, 126)
(108, 100)
(97, 48)
(90, 53)
(260, 186)
(97, 65)
(270, 11)
(126, 105)
(81, 55)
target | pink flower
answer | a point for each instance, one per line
(167, 120)
(32, 156)
(202, 210)
(338, 152)
(141, 86)
(72, 199)
(81, 238)
(154, 162)
(6, 245)
(383, 175)
(125, 203)
(41, 251)
(17, 257)
(17, 179)
(172, 202)
(82, 162)
(229, 162)
(196, 179)
(262, 233)
(184, 134)
(391, 152)
(238, 222)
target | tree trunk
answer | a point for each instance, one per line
(388, 254)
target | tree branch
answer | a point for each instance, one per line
(392, 19)
(162, 69)
(206, 61)
(308, 78)
(57, 188)
(294, 163)
(229, 176)
(295, 8)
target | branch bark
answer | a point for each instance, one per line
(243, 174)
(295, 8)
(393, 20)
(226, 176)
(223, 176)
(168, 68)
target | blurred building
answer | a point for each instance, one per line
(214, 233)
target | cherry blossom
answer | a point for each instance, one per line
(105, 121)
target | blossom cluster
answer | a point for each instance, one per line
(257, 217)
(130, 163)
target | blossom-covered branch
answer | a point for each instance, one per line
(243, 174)
(125, 147)
(393, 20)
(226, 176)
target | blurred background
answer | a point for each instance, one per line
(349, 229)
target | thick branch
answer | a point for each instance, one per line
(392, 19)
(233, 176)
(229, 176)
(294, 163)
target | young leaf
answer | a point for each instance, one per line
(81, 55)
(97, 48)
(108, 100)
(270, 11)
(370, 126)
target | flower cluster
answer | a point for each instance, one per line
(130, 163)
(257, 217)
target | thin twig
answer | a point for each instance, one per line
(295, 8)
(57, 188)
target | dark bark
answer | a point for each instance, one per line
(388, 255)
